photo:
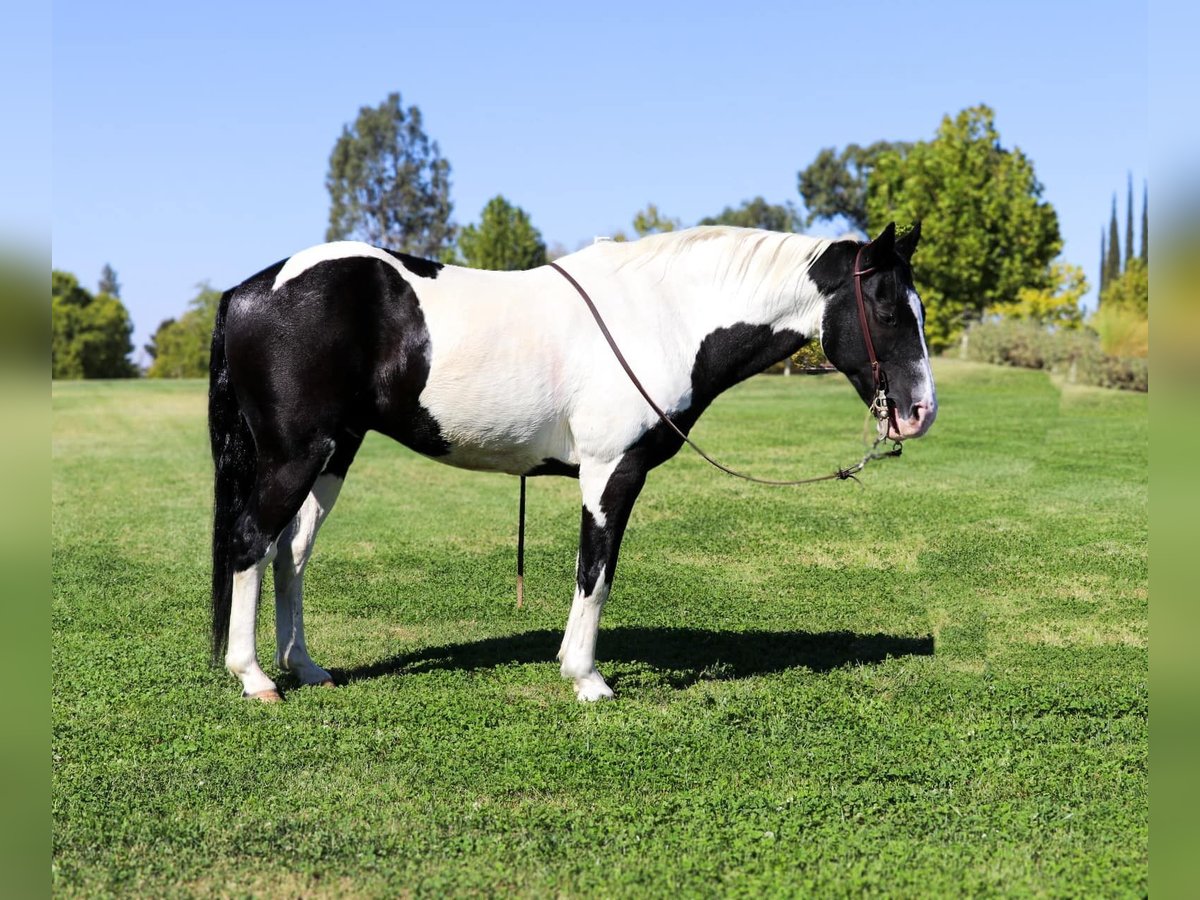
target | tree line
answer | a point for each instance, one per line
(989, 239)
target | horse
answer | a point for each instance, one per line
(316, 350)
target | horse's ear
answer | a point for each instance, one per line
(878, 253)
(907, 244)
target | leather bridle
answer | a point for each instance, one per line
(881, 407)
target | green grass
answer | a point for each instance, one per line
(933, 685)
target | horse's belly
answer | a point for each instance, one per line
(499, 424)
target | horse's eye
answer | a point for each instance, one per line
(888, 319)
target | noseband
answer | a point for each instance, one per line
(882, 409)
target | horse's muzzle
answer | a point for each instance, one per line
(920, 417)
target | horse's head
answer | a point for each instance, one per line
(896, 318)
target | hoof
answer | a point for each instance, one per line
(328, 682)
(593, 695)
(591, 688)
(271, 696)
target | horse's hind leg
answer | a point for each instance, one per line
(609, 491)
(295, 547)
(281, 484)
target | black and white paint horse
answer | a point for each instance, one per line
(311, 353)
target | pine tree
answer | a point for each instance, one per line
(388, 183)
(504, 239)
(108, 282)
(1129, 224)
(1145, 223)
(1113, 271)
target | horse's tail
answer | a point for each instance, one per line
(234, 458)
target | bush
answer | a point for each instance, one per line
(1126, 373)
(1075, 353)
(810, 356)
(1123, 331)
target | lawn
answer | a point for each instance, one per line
(933, 684)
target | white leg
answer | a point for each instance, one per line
(295, 549)
(242, 656)
(578, 651)
(609, 491)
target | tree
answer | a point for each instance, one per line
(1114, 246)
(986, 232)
(1103, 262)
(163, 329)
(1130, 290)
(757, 213)
(504, 239)
(89, 334)
(1128, 224)
(65, 286)
(388, 183)
(108, 282)
(1056, 304)
(648, 221)
(1122, 318)
(1145, 223)
(651, 221)
(836, 184)
(180, 347)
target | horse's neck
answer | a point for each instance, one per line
(750, 278)
(731, 311)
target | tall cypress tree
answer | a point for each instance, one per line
(1145, 223)
(1103, 265)
(1114, 245)
(1129, 224)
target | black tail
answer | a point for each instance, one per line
(234, 459)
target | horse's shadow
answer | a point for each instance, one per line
(683, 655)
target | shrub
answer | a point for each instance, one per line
(1123, 330)
(1076, 353)
(810, 356)
(1013, 342)
(1127, 373)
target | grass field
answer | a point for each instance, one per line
(933, 685)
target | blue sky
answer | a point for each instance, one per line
(190, 141)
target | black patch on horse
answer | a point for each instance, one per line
(551, 466)
(730, 355)
(599, 545)
(343, 345)
(726, 357)
(422, 268)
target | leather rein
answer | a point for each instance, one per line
(883, 411)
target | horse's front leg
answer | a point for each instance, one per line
(609, 491)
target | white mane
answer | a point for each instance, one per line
(767, 259)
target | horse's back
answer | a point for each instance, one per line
(466, 366)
